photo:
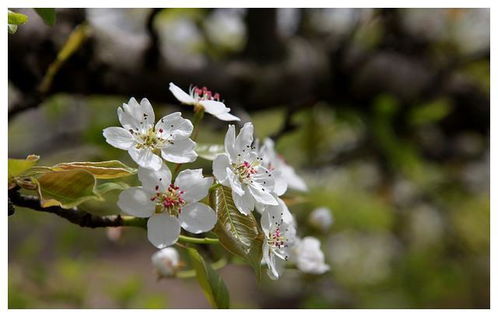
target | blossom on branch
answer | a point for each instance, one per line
(240, 169)
(308, 256)
(169, 206)
(166, 261)
(202, 97)
(146, 142)
(279, 235)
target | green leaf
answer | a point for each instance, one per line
(66, 189)
(101, 170)
(17, 18)
(47, 14)
(19, 166)
(211, 283)
(209, 151)
(237, 233)
(109, 186)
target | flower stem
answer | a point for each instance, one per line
(198, 240)
(191, 273)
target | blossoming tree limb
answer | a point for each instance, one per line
(221, 207)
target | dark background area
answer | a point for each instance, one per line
(384, 112)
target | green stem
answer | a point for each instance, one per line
(198, 240)
(221, 263)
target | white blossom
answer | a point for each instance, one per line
(279, 236)
(168, 206)
(308, 256)
(321, 218)
(202, 97)
(146, 142)
(166, 261)
(284, 174)
(240, 169)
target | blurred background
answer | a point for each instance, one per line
(383, 112)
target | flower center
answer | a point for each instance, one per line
(245, 171)
(170, 200)
(203, 94)
(150, 140)
(277, 240)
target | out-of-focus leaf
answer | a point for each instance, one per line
(101, 170)
(19, 166)
(66, 188)
(209, 151)
(47, 14)
(73, 43)
(211, 283)
(238, 233)
(107, 187)
(430, 112)
(17, 18)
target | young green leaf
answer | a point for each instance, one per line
(17, 18)
(19, 166)
(101, 170)
(237, 233)
(211, 283)
(66, 188)
(47, 14)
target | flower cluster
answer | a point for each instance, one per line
(256, 175)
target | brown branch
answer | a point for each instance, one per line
(74, 215)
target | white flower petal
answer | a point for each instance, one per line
(292, 179)
(220, 164)
(155, 181)
(230, 143)
(214, 107)
(147, 112)
(166, 261)
(163, 230)
(145, 158)
(264, 179)
(127, 120)
(233, 182)
(244, 140)
(139, 114)
(309, 257)
(197, 218)
(181, 95)
(261, 195)
(193, 184)
(119, 137)
(280, 184)
(275, 267)
(136, 201)
(181, 151)
(244, 203)
(226, 116)
(174, 126)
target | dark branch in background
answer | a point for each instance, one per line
(152, 55)
(264, 44)
(270, 73)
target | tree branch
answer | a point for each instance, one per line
(88, 220)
